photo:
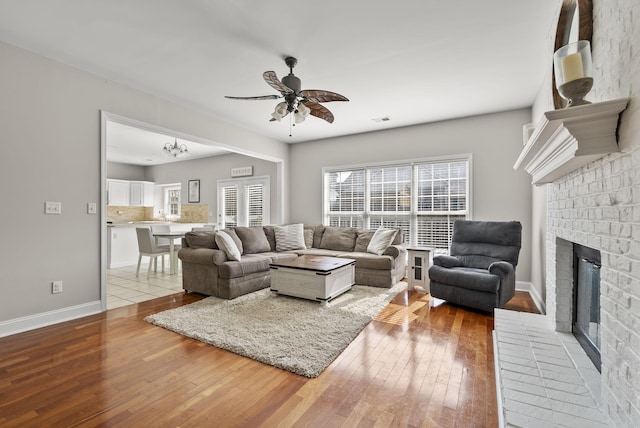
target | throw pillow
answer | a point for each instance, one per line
(363, 239)
(270, 233)
(308, 236)
(232, 233)
(253, 240)
(380, 240)
(228, 245)
(339, 238)
(201, 240)
(290, 237)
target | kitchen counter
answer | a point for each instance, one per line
(138, 223)
(122, 239)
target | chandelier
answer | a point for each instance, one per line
(175, 150)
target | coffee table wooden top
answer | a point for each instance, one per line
(315, 263)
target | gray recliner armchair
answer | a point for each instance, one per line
(480, 270)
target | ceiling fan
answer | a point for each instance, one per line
(300, 102)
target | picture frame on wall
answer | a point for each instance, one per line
(194, 191)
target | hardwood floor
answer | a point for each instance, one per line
(414, 365)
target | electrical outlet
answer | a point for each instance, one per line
(53, 207)
(92, 208)
(56, 287)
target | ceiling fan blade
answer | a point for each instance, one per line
(272, 80)
(263, 97)
(321, 96)
(320, 111)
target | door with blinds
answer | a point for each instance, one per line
(243, 202)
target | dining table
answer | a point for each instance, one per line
(173, 256)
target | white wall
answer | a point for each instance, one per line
(495, 141)
(50, 114)
(209, 171)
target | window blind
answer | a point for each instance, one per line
(421, 198)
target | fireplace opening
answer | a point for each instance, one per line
(586, 294)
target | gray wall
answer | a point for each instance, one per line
(50, 113)
(209, 171)
(123, 171)
(495, 141)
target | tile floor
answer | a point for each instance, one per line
(123, 288)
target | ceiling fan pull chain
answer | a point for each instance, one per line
(290, 124)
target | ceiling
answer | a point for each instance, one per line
(412, 61)
(133, 145)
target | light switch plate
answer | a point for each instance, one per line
(92, 208)
(53, 207)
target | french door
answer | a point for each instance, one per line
(243, 202)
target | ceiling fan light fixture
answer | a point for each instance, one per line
(175, 150)
(280, 111)
(301, 112)
(290, 88)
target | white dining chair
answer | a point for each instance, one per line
(161, 228)
(147, 247)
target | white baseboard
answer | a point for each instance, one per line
(31, 322)
(537, 299)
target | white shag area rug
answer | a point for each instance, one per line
(294, 334)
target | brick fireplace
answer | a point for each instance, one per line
(597, 206)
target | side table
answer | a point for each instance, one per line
(419, 258)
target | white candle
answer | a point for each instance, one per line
(572, 67)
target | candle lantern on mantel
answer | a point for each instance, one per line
(573, 72)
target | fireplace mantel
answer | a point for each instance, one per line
(567, 139)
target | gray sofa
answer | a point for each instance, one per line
(206, 269)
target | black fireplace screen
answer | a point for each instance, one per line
(586, 318)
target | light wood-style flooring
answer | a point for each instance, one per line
(415, 365)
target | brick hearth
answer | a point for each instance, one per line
(543, 376)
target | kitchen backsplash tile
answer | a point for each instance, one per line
(194, 213)
(189, 214)
(120, 214)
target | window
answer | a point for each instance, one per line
(243, 202)
(172, 201)
(423, 198)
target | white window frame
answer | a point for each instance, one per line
(166, 205)
(242, 184)
(414, 214)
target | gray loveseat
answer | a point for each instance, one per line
(206, 269)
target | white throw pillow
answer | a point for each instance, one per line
(290, 237)
(380, 240)
(225, 243)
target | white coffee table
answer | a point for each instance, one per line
(318, 278)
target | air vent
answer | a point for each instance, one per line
(243, 171)
(382, 119)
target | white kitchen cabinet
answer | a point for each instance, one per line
(122, 246)
(122, 240)
(141, 194)
(126, 193)
(118, 192)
